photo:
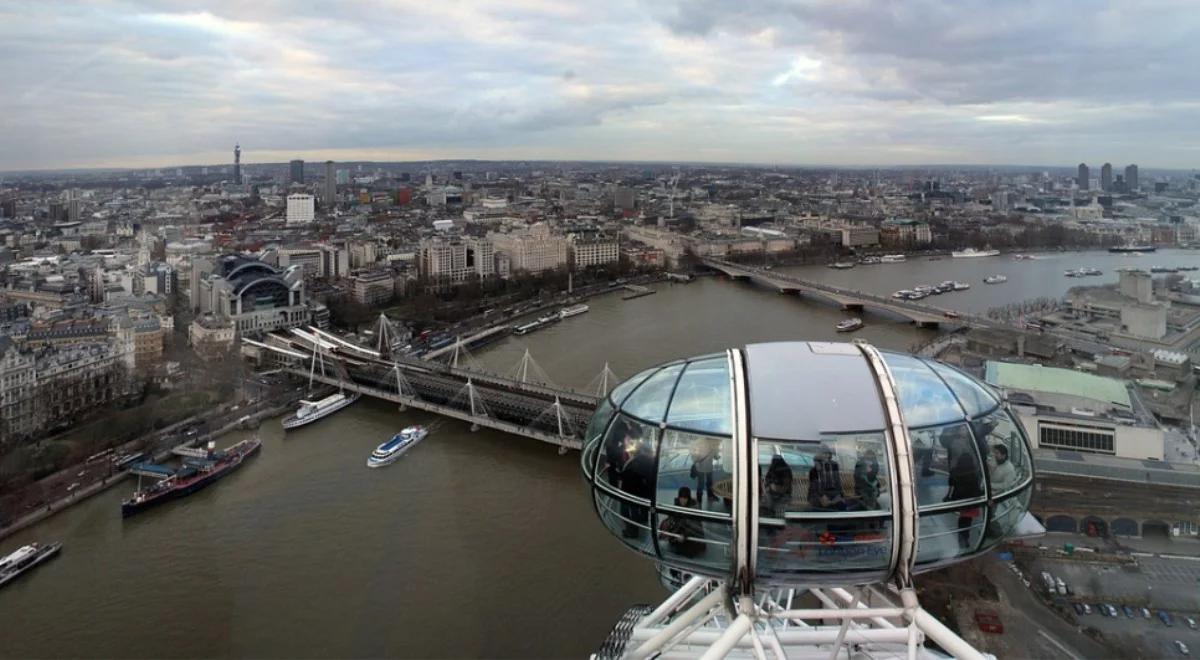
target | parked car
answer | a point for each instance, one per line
(1128, 611)
(1078, 608)
(1190, 621)
(989, 621)
(1165, 618)
(1087, 609)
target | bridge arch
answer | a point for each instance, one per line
(1156, 529)
(1094, 526)
(1125, 527)
(1061, 523)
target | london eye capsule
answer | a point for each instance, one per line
(807, 463)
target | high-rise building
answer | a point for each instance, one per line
(237, 164)
(73, 207)
(1131, 177)
(1106, 177)
(1082, 178)
(300, 209)
(297, 172)
(330, 196)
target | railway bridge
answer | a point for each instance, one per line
(520, 404)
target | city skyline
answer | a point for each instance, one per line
(146, 84)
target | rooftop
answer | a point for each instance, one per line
(1037, 378)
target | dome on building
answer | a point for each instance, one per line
(797, 463)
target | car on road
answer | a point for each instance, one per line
(1182, 648)
(1165, 618)
(73, 486)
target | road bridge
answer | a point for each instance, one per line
(918, 312)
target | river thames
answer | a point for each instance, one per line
(473, 544)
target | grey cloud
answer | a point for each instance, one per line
(98, 83)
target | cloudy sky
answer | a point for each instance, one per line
(845, 82)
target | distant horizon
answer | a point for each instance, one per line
(1117, 167)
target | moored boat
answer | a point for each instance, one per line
(195, 474)
(388, 452)
(970, 253)
(995, 279)
(25, 558)
(1132, 248)
(960, 286)
(892, 259)
(311, 411)
(849, 325)
(573, 310)
(842, 265)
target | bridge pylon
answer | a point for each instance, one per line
(527, 367)
(603, 382)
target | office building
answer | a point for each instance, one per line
(624, 198)
(296, 172)
(1131, 178)
(46, 388)
(329, 200)
(904, 232)
(532, 250)
(1070, 410)
(454, 260)
(1106, 179)
(588, 252)
(859, 236)
(309, 259)
(300, 209)
(374, 287)
(1081, 179)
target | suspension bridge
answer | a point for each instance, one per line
(524, 402)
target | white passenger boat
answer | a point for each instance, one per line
(574, 310)
(388, 452)
(970, 253)
(995, 279)
(311, 411)
(25, 558)
(892, 259)
(849, 325)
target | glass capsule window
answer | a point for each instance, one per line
(660, 453)
(695, 467)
